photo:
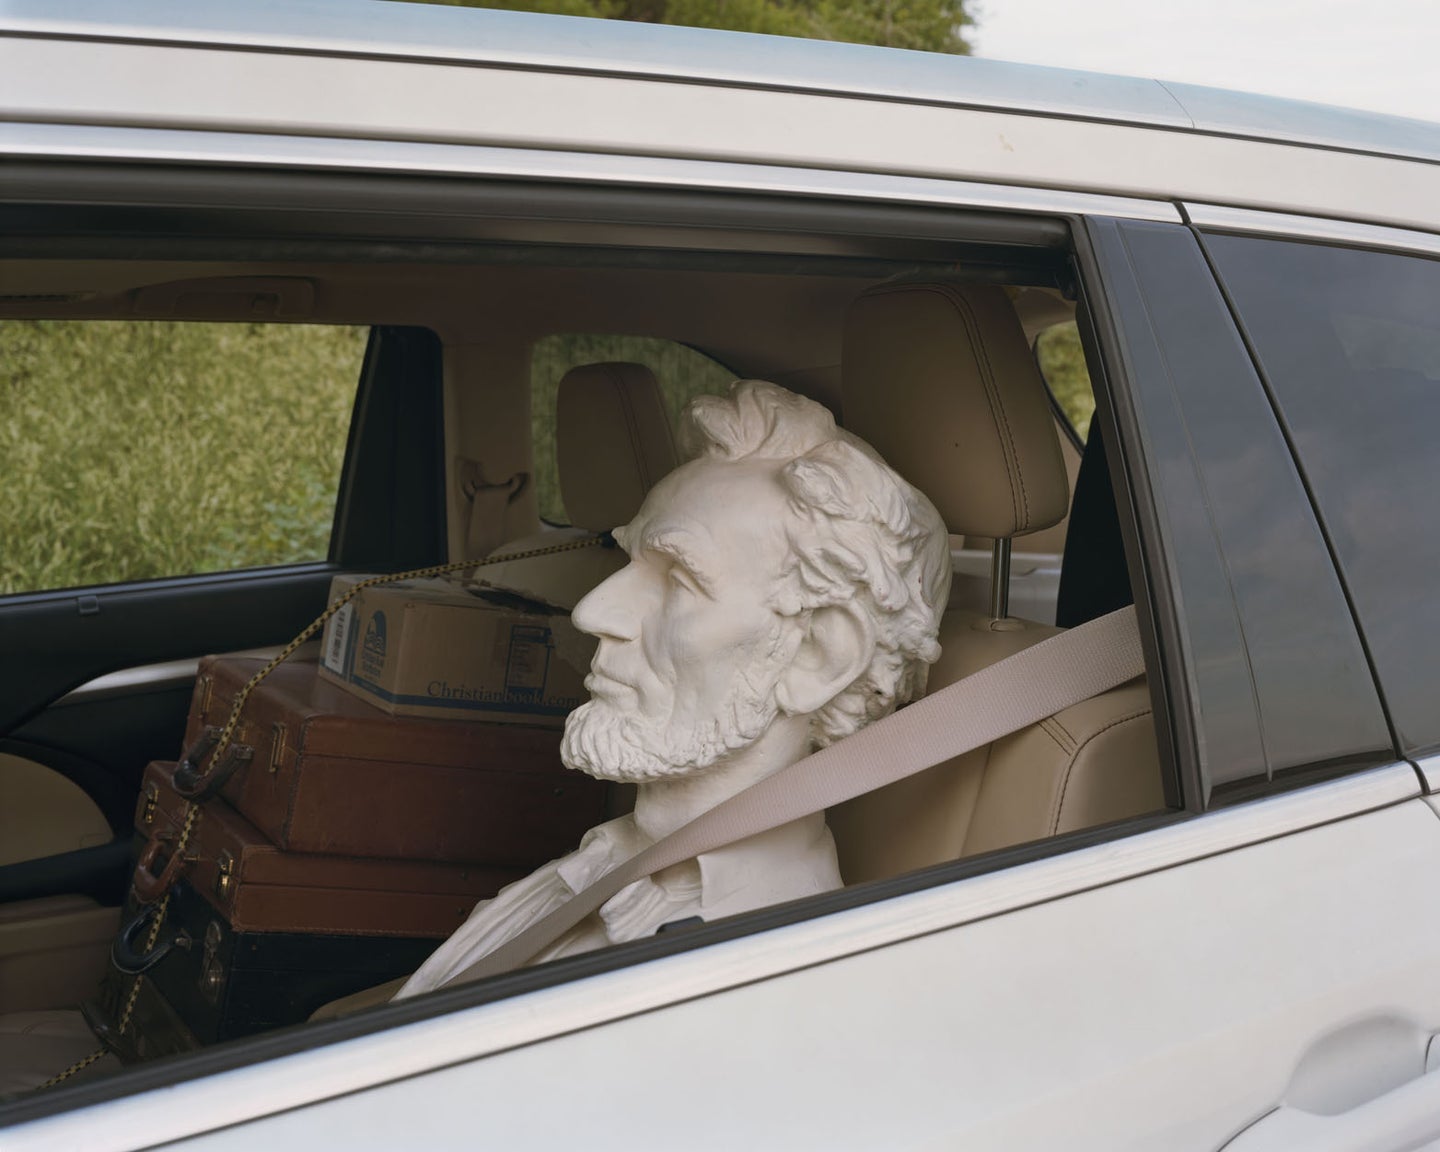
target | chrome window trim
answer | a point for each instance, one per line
(306, 1077)
(718, 58)
(526, 41)
(166, 674)
(157, 145)
(1281, 225)
(147, 677)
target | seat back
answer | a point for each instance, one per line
(939, 378)
(612, 443)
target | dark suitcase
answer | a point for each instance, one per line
(228, 983)
(255, 937)
(258, 887)
(329, 773)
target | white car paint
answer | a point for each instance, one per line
(1158, 991)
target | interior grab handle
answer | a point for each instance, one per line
(1405, 1119)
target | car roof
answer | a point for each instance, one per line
(383, 29)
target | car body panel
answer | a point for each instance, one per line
(1155, 984)
(1012, 1061)
(294, 92)
(523, 40)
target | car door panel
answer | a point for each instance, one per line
(43, 814)
(101, 742)
(132, 626)
(1167, 1002)
(1371, 1085)
(1169, 1010)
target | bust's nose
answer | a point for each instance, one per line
(610, 610)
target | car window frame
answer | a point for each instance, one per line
(123, 583)
(40, 620)
(863, 219)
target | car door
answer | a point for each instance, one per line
(1268, 952)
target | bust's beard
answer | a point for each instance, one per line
(613, 745)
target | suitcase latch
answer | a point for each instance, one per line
(203, 685)
(212, 970)
(152, 798)
(277, 746)
(225, 876)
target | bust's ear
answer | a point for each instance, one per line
(836, 649)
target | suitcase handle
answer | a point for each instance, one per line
(126, 960)
(147, 884)
(204, 744)
(198, 786)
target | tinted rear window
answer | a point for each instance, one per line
(1350, 344)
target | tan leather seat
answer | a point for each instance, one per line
(35, 1046)
(613, 442)
(939, 379)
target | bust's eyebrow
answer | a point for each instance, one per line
(681, 546)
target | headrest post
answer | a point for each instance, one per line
(1000, 579)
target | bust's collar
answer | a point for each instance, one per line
(731, 879)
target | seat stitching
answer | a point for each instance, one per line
(1059, 733)
(996, 401)
(1070, 766)
(993, 399)
(975, 803)
(631, 428)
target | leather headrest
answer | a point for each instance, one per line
(939, 379)
(612, 442)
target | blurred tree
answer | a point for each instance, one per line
(927, 25)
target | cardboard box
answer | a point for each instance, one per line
(433, 648)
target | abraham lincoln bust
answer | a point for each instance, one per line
(784, 589)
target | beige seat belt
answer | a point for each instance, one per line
(1010, 694)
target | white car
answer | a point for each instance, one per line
(1200, 915)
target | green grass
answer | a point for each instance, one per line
(132, 450)
(1062, 363)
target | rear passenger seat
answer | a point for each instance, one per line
(613, 442)
(939, 379)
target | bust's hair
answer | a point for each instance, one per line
(861, 534)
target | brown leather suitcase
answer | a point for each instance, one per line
(257, 887)
(255, 937)
(329, 773)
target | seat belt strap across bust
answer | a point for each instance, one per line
(1010, 694)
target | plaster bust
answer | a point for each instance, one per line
(784, 589)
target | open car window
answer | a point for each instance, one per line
(138, 449)
(770, 319)
(489, 319)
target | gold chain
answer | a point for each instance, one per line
(193, 814)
